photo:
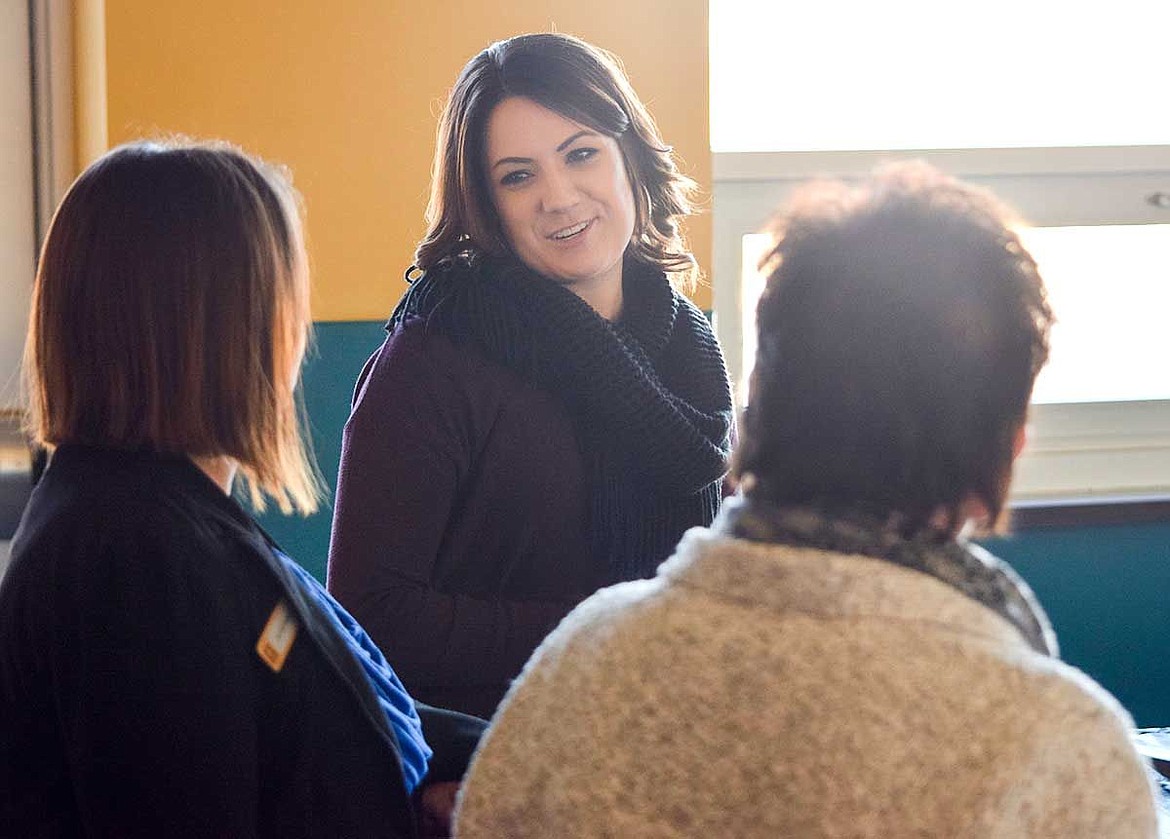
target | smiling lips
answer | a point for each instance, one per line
(571, 231)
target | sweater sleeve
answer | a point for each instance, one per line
(409, 445)
(454, 738)
(1095, 783)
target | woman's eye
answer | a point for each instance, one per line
(581, 154)
(515, 178)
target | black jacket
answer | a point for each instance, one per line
(132, 699)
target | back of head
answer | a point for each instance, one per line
(582, 83)
(170, 313)
(900, 333)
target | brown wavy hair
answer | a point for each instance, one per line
(582, 83)
(900, 332)
(170, 311)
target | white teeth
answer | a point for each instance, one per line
(570, 231)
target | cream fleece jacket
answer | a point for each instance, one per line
(754, 690)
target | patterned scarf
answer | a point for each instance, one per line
(648, 394)
(959, 564)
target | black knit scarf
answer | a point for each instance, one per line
(966, 567)
(648, 394)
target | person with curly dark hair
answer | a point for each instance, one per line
(833, 657)
(548, 413)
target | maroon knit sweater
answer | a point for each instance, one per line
(459, 532)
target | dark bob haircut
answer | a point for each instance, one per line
(170, 313)
(582, 83)
(900, 333)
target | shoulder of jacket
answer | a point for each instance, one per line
(124, 519)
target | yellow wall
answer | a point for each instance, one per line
(90, 123)
(346, 93)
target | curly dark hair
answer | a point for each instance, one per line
(900, 334)
(582, 83)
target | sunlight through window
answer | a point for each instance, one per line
(1110, 288)
(919, 74)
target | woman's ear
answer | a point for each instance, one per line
(1021, 440)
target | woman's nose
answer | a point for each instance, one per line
(560, 192)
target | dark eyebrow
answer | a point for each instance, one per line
(574, 138)
(524, 161)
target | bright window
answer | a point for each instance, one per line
(1110, 286)
(920, 74)
(1054, 107)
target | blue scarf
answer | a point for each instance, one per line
(392, 696)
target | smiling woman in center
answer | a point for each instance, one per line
(548, 413)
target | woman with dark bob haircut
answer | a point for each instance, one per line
(833, 657)
(165, 670)
(548, 414)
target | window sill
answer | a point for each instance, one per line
(1037, 514)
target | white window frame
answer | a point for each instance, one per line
(1076, 452)
(36, 98)
(17, 199)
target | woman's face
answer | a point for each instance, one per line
(562, 195)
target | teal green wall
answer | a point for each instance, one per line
(1106, 588)
(331, 369)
